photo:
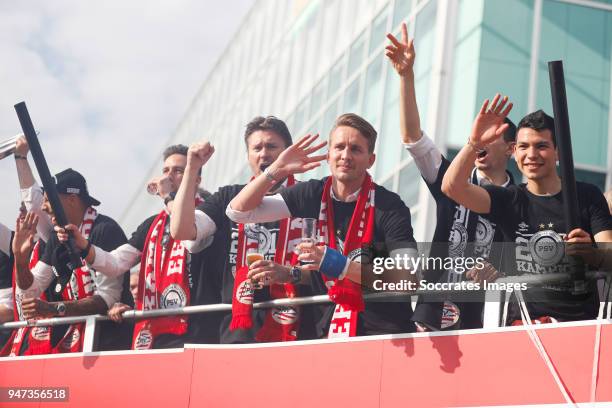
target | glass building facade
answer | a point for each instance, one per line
(309, 61)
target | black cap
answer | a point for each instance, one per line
(72, 182)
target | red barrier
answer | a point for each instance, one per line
(476, 367)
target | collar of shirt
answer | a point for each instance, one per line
(351, 197)
(482, 181)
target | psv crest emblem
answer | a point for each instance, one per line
(244, 293)
(284, 315)
(173, 296)
(546, 248)
(450, 315)
(144, 340)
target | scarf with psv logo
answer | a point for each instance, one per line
(38, 338)
(281, 323)
(344, 293)
(80, 286)
(163, 284)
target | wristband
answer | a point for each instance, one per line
(85, 252)
(19, 156)
(333, 264)
(476, 148)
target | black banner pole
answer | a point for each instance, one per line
(566, 163)
(49, 185)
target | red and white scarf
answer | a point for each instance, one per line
(80, 286)
(345, 293)
(281, 323)
(39, 339)
(163, 284)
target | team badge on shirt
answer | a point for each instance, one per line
(261, 235)
(457, 239)
(546, 247)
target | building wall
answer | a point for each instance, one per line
(309, 61)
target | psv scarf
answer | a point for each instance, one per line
(81, 286)
(280, 323)
(345, 293)
(163, 284)
(39, 339)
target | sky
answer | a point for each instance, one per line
(106, 83)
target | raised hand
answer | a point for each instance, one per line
(23, 241)
(401, 54)
(21, 146)
(199, 153)
(489, 123)
(296, 158)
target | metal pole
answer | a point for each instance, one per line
(566, 162)
(50, 189)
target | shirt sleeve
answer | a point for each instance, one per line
(109, 288)
(6, 298)
(426, 156)
(205, 231)
(395, 218)
(6, 236)
(33, 199)
(601, 220)
(502, 200)
(116, 262)
(109, 236)
(137, 240)
(304, 199)
(43, 275)
(272, 208)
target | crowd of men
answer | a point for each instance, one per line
(200, 248)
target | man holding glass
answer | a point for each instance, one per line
(251, 262)
(353, 216)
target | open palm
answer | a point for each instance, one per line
(489, 123)
(296, 158)
(23, 241)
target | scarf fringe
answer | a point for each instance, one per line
(241, 322)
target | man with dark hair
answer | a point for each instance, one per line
(268, 124)
(169, 268)
(354, 214)
(540, 122)
(266, 138)
(179, 150)
(459, 232)
(87, 291)
(531, 215)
